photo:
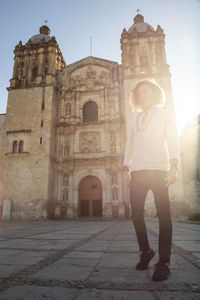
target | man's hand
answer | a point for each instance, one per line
(126, 168)
(171, 177)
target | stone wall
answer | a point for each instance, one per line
(28, 171)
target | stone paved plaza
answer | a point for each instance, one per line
(93, 259)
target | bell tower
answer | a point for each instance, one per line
(143, 56)
(29, 123)
(37, 62)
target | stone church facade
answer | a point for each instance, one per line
(62, 139)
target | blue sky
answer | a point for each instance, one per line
(73, 22)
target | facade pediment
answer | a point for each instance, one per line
(89, 77)
(89, 73)
(90, 60)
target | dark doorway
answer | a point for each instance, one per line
(90, 197)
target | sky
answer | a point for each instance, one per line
(72, 22)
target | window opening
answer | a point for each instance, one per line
(90, 112)
(21, 146)
(15, 145)
(34, 73)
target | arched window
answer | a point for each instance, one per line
(15, 146)
(144, 65)
(90, 112)
(21, 146)
(34, 73)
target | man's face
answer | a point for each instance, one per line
(145, 97)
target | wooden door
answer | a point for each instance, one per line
(90, 197)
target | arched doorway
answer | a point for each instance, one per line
(90, 197)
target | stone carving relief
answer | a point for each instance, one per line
(90, 80)
(90, 142)
(66, 149)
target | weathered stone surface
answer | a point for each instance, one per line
(7, 206)
(49, 140)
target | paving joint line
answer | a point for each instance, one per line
(95, 268)
(31, 235)
(179, 250)
(86, 284)
(21, 276)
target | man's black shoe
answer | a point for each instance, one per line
(161, 272)
(145, 258)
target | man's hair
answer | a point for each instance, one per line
(158, 92)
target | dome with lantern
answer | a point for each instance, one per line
(139, 25)
(43, 36)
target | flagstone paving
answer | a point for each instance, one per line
(93, 259)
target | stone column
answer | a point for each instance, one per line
(75, 202)
(16, 65)
(120, 195)
(77, 107)
(164, 59)
(153, 58)
(52, 62)
(59, 186)
(137, 60)
(107, 201)
(40, 63)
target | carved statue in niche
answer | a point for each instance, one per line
(112, 136)
(90, 142)
(114, 178)
(114, 194)
(68, 110)
(65, 195)
(66, 150)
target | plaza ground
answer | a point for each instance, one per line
(93, 259)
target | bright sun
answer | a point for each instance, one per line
(186, 104)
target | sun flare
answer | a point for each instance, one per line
(186, 104)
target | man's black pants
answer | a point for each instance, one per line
(141, 182)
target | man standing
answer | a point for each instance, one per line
(152, 157)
